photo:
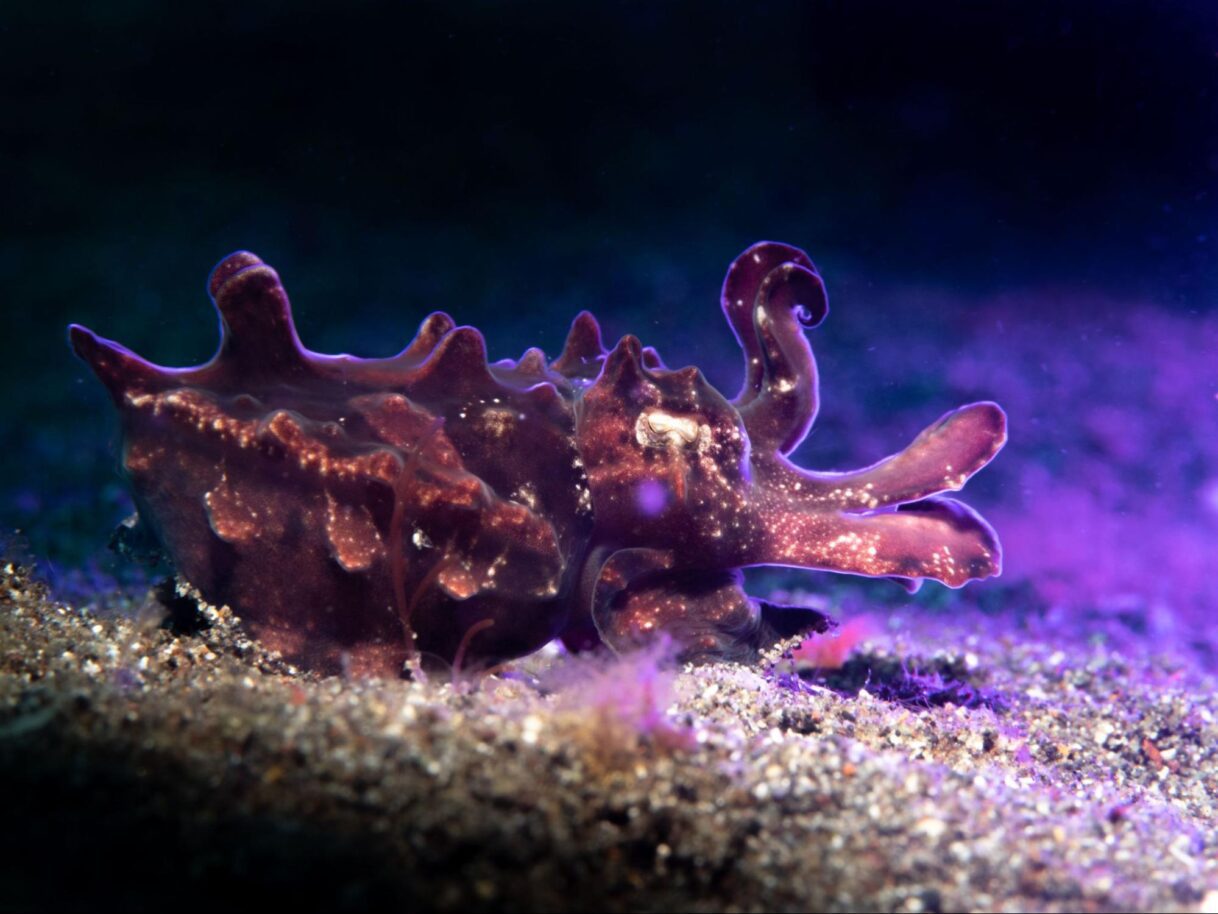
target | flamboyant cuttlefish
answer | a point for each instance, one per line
(359, 513)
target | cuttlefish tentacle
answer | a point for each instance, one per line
(639, 594)
(790, 300)
(934, 537)
(886, 520)
(738, 300)
(940, 459)
(881, 520)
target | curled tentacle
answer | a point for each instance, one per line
(791, 299)
(739, 300)
(771, 294)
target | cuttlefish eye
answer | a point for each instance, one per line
(657, 428)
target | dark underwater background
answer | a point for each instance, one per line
(1010, 201)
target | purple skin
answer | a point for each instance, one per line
(361, 513)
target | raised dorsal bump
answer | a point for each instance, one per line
(226, 268)
(117, 367)
(583, 351)
(257, 332)
(433, 328)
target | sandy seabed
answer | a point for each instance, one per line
(145, 766)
